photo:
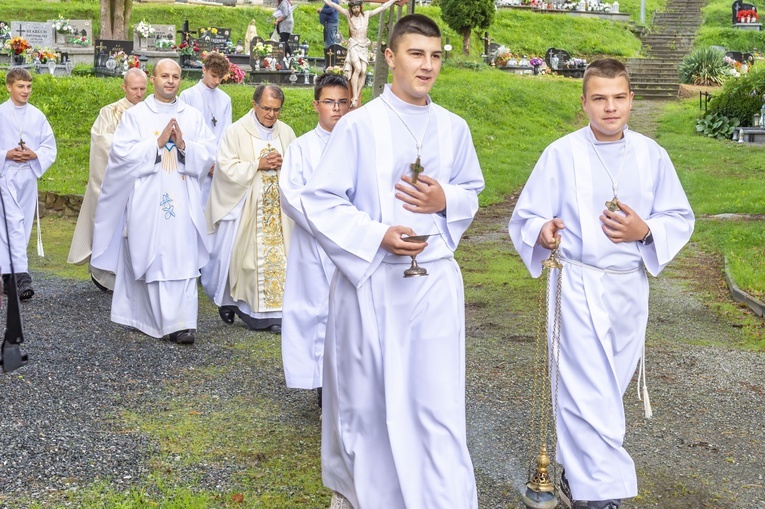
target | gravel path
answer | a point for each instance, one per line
(61, 425)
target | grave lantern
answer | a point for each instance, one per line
(143, 59)
(52, 66)
(304, 48)
(756, 120)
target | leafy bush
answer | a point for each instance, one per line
(741, 97)
(717, 126)
(703, 66)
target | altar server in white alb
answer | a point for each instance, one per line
(309, 269)
(245, 276)
(101, 134)
(212, 102)
(393, 428)
(29, 149)
(149, 226)
(612, 199)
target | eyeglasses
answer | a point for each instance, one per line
(329, 103)
(269, 110)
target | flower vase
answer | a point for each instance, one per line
(185, 60)
(306, 79)
(536, 70)
(257, 64)
(18, 59)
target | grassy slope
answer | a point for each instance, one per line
(717, 30)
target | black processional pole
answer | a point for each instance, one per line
(11, 355)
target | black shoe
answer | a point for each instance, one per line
(275, 329)
(183, 337)
(99, 285)
(273, 325)
(227, 313)
(24, 282)
(564, 492)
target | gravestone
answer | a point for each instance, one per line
(104, 48)
(562, 55)
(83, 28)
(334, 56)
(740, 57)
(38, 35)
(160, 32)
(185, 32)
(214, 38)
(255, 59)
(738, 5)
(294, 41)
(278, 52)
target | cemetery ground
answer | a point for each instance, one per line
(106, 417)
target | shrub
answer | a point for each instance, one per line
(703, 66)
(741, 97)
(717, 126)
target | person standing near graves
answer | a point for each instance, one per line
(149, 226)
(610, 201)
(29, 149)
(284, 24)
(245, 276)
(212, 102)
(328, 17)
(309, 270)
(393, 427)
(134, 85)
(357, 60)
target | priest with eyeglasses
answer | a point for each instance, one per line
(246, 273)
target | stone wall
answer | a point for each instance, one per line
(59, 205)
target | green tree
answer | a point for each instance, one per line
(463, 16)
(115, 19)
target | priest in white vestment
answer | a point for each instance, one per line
(29, 149)
(134, 85)
(245, 276)
(212, 102)
(612, 199)
(393, 416)
(309, 269)
(149, 226)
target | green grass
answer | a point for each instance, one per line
(717, 30)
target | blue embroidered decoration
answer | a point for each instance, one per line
(167, 206)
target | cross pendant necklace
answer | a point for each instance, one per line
(20, 128)
(214, 121)
(416, 166)
(613, 204)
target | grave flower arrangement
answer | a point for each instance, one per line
(503, 58)
(62, 25)
(262, 50)
(187, 48)
(5, 29)
(79, 40)
(746, 16)
(17, 45)
(45, 55)
(536, 62)
(132, 62)
(164, 43)
(334, 70)
(301, 65)
(145, 30)
(235, 74)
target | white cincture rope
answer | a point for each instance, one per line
(641, 375)
(40, 250)
(600, 269)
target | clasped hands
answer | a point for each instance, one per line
(20, 154)
(426, 196)
(270, 161)
(172, 132)
(619, 226)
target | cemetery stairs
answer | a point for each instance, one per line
(666, 42)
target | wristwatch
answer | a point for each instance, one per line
(648, 239)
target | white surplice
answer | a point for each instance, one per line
(18, 181)
(309, 270)
(250, 234)
(393, 427)
(101, 135)
(215, 106)
(605, 289)
(149, 226)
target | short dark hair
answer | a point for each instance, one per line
(605, 68)
(413, 24)
(275, 91)
(17, 74)
(329, 80)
